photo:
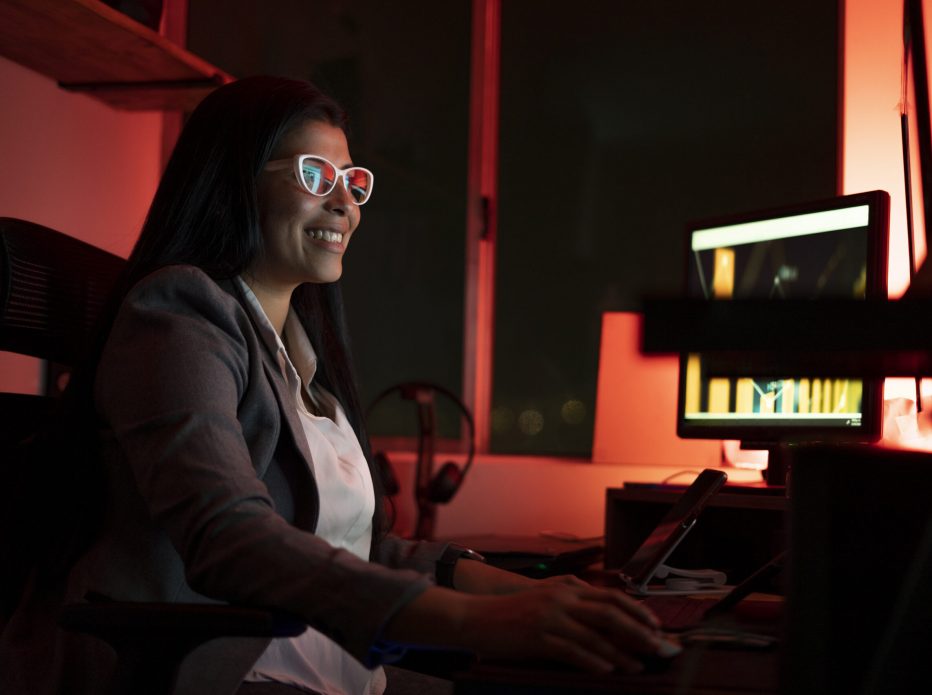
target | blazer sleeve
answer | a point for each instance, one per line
(397, 552)
(179, 359)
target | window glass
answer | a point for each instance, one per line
(621, 121)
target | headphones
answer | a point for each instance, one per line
(431, 488)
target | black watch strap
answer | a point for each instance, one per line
(446, 563)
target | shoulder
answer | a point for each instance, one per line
(184, 292)
(181, 283)
(178, 329)
(181, 306)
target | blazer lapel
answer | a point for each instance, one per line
(286, 403)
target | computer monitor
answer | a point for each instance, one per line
(834, 248)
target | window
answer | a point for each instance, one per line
(619, 121)
(402, 72)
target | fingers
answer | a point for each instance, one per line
(566, 580)
(628, 605)
(593, 629)
(618, 628)
(581, 646)
(602, 630)
(618, 598)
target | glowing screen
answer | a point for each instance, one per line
(823, 253)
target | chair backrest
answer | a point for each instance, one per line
(52, 290)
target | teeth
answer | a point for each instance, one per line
(326, 235)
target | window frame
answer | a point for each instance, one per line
(481, 216)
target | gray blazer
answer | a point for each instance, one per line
(213, 496)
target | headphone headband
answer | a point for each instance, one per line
(408, 390)
(432, 488)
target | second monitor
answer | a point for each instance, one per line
(834, 248)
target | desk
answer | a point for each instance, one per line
(698, 671)
(752, 526)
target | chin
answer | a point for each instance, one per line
(326, 278)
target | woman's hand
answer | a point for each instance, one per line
(594, 629)
(565, 620)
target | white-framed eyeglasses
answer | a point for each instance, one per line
(318, 176)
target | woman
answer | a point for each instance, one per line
(236, 453)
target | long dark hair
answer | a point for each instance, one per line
(205, 213)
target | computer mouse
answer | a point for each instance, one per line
(660, 661)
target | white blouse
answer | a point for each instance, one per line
(312, 661)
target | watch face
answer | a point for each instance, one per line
(472, 555)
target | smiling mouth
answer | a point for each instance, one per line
(325, 235)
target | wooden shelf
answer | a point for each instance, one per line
(89, 47)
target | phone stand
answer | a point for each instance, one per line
(648, 560)
(699, 576)
(686, 581)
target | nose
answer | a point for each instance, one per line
(339, 200)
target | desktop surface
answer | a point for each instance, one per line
(738, 651)
(761, 488)
(732, 644)
(699, 669)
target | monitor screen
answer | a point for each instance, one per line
(827, 249)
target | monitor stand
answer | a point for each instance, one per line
(777, 470)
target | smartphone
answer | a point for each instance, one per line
(662, 541)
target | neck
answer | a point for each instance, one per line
(275, 301)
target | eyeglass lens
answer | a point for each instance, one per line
(320, 178)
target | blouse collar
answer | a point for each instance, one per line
(300, 353)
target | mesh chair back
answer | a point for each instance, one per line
(52, 289)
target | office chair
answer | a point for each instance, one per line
(52, 290)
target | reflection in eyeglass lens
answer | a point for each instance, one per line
(357, 183)
(318, 176)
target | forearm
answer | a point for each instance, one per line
(475, 577)
(435, 617)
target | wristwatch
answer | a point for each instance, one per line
(452, 554)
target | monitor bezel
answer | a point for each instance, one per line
(876, 287)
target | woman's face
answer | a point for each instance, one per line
(292, 220)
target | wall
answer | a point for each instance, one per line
(873, 153)
(871, 133)
(76, 165)
(636, 404)
(530, 495)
